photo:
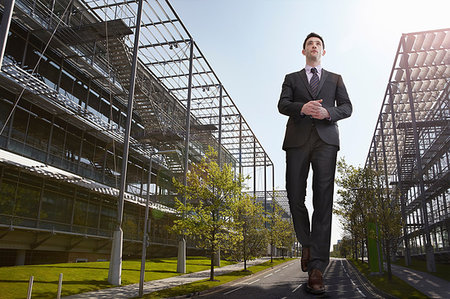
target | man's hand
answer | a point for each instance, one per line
(315, 110)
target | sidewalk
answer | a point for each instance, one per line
(132, 290)
(432, 286)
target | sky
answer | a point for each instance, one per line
(252, 44)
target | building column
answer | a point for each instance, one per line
(429, 250)
(20, 257)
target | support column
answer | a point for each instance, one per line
(379, 250)
(20, 257)
(265, 183)
(219, 151)
(240, 144)
(254, 167)
(429, 251)
(181, 262)
(4, 27)
(145, 239)
(400, 178)
(115, 265)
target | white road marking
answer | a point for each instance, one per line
(270, 274)
(229, 292)
(276, 271)
(254, 281)
(360, 292)
(297, 288)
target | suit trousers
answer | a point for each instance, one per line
(322, 157)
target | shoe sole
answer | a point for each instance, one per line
(312, 291)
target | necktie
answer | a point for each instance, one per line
(314, 83)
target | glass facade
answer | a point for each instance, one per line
(37, 130)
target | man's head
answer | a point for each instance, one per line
(313, 49)
(313, 34)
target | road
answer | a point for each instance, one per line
(288, 281)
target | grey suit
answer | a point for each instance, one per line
(313, 142)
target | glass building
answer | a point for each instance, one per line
(411, 141)
(64, 89)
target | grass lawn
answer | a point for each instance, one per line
(396, 287)
(207, 284)
(442, 270)
(84, 277)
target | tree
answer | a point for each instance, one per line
(249, 222)
(210, 194)
(353, 203)
(281, 231)
(387, 209)
(365, 196)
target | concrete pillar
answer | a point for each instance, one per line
(181, 263)
(20, 257)
(115, 267)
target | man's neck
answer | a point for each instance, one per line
(313, 63)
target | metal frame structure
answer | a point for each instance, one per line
(178, 98)
(165, 50)
(411, 142)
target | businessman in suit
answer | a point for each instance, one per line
(314, 99)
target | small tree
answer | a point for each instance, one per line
(365, 196)
(387, 209)
(281, 232)
(210, 194)
(249, 222)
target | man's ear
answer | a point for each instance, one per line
(303, 52)
(324, 52)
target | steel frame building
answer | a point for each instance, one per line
(411, 141)
(64, 86)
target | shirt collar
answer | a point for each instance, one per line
(308, 69)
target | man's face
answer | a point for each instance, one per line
(313, 49)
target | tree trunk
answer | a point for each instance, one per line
(245, 247)
(213, 249)
(271, 252)
(388, 259)
(362, 250)
(211, 274)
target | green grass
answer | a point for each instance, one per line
(84, 277)
(442, 270)
(395, 287)
(206, 284)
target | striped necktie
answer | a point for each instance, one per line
(314, 82)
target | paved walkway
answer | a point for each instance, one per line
(132, 290)
(432, 286)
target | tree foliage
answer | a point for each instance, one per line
(207, 217)
(281, 232)
(365, 196)
(249, 222)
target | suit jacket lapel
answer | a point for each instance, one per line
(304, 79)
(323, 77)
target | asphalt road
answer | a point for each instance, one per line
(288, 281)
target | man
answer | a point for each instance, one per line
(314, 99)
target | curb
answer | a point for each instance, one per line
(368, 284)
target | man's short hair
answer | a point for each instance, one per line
(313, 34)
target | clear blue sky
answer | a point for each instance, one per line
(252, 44)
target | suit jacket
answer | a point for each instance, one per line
(296, 92)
